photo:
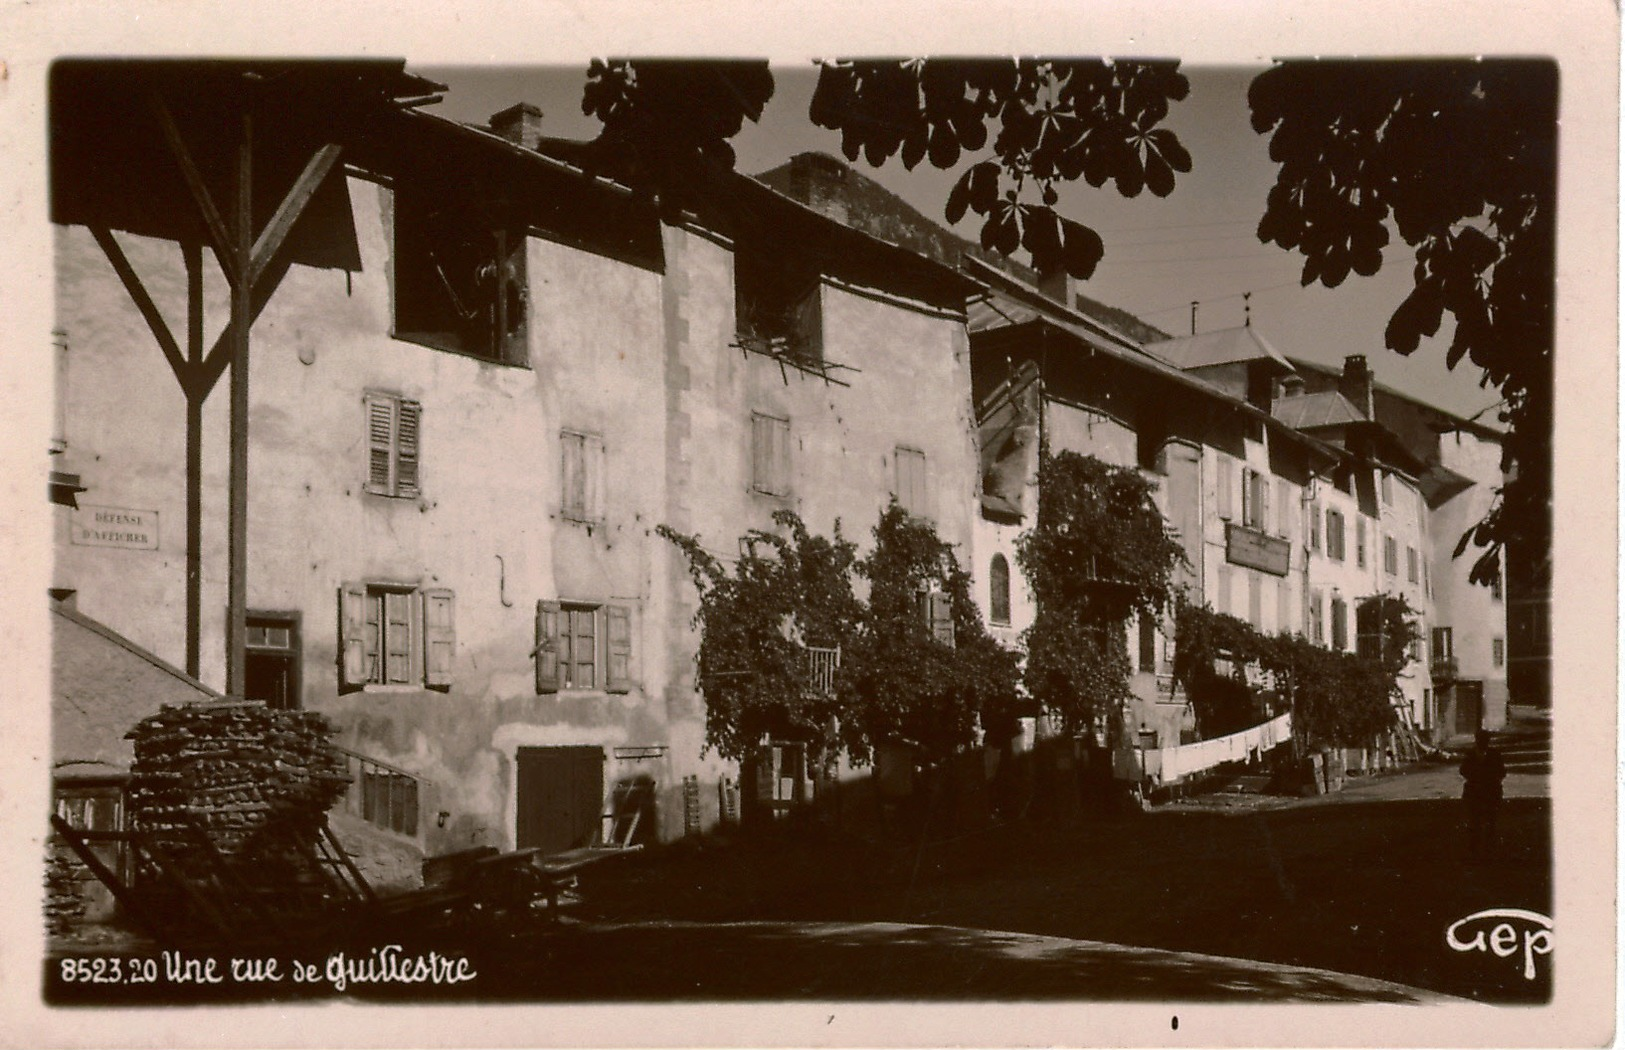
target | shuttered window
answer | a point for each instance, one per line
(1227, 487)
(770, 454)
(395, 635)
(1340, 624)
(583, 647)
(1317, 621)
(1359, 542)
(1411, 572)
(1255, 499)
(937, 609)
(909, 485)
(582, 476)
(999, 590)
(393, 426)
(1314, 526)
(1390, 556)
(1334, 535)
(1283, 507)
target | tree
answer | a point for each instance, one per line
(1054, 121)
(913, 673)
(1461, 158)
(1098, 553)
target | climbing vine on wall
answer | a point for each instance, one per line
(1338, 699)
(788, 590)
(1099, 551)
(909, 678)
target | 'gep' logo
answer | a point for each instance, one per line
(1516, 929)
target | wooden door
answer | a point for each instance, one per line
(560, 797)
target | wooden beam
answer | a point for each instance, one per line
(143, 302)
(219, 236)
(214, 366)
(293, 205)
(192, 254)
(237, 480)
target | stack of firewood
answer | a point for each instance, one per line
(231, 768)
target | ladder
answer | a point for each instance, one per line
(1408, 745)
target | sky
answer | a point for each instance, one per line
(1161, 253)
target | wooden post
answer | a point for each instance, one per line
(242, 307)
(193, 255)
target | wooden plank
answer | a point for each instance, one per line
(143, 302)
(214, 366)
(219, 237)
(192, 255)
(270, 239)
(237, 422)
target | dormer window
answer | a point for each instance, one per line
(459, 274)
(778, 304)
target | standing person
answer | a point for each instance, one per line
(1483, 770)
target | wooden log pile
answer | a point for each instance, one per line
(229, 769)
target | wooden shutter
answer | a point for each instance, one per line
(439, 637)
(807, 317)
(572, 483)
(352, 635)
(593, 490)
(1283, 508)
(1227, 487)
(761, 453)
(380, 444)
(941, 608)
(547, 647)
(1283, 608)
(406, 448)
(1263, 483)
(781, 456)
(618, 658)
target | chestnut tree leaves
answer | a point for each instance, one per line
(1460, 158)
(1053, 121)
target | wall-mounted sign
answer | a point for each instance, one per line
(1257, 550)
(135, 530)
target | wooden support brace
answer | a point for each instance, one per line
(219, 236)
(287, 213)
(143, 302)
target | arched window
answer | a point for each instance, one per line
(998, 580)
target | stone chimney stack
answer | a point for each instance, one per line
(1355, 384)
(520, 124)
(1059, 286)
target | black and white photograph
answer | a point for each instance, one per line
(1070, 523)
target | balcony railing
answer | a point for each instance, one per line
(821, 667)
(1445, 669)
(383, 795)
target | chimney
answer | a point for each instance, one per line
(1355, 384)
(520, 123)
(819, 181)
(1059, 286)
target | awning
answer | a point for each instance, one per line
(65, 489)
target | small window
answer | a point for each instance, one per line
(1412, 573)
(1443, 644)
(1359, 542)
(909, 465)
(460, 282)
(770, 454)
(998, 575)
(1317, 618)
(1498, 652)
(1314, 526)
(393, 431)
(395, 634)
(1390, 556)
(1387, 485)
(583, 646)
(1334, 535)
(937, 609)
(581, 495)
(778, 305)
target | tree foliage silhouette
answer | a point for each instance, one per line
(1460, 157)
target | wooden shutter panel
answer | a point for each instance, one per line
(593, 469)
(547, 647)
(1227, 487)
(781, 456)
(761, 452)
(807, 317)
(352, 635)
(942, 618)
(380, 444)
(396, 637)
(439, 637)
(1263, 483)
(618, 658)
(1283, 508)
(406, 449)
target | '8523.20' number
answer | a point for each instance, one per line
(109, 970)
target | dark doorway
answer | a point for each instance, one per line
(1469, 706)
(560, 797)
(271, 666)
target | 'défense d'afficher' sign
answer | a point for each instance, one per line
(115, 527)
(1257, 550)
